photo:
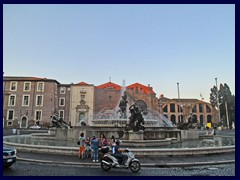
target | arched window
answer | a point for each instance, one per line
(201, 120)
(194, 109)
(172, 107)
(165, 108)
(180, 120)
(142, 105)
(200, 107)
(208, 109)
(194, 118)
(209, 118)
(173, 119)
(166, 116)
(179, 108)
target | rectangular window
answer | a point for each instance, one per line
(13, 86)
(136, 90)
(27, 86)
(12, 99)
(82, 97)
(61, 113)
(10, 115)
(62, 102)
(200, 108)
(39, 101)
(9, 123)
(38, 115)
(25, 101)
(172, 107)
(62, 90)
(40, 86)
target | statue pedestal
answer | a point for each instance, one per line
(135, 135)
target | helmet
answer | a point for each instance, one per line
(118, 142)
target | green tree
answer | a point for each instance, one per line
(227, 103)
(226, 99)
(213, 96)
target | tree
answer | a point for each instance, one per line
(226, 102)
(213, 96)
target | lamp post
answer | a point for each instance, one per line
(219, 115)
(179, 102)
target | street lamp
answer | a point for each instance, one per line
(219, 115)
(179, 102)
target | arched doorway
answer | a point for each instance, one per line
(24, 122)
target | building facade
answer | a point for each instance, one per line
(81, 104)
(180, 110)
(28, 101)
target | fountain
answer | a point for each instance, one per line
(139, 127)
(134, 124)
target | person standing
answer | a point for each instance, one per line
(88, 147)
(94, 145)
(103, 141)
(82, 145)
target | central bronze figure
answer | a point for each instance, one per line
(136, 120)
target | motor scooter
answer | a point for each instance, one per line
(109, 161)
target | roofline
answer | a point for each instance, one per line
(21, 78)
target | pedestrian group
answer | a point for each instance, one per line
(89, 147)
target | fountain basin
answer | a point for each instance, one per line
(140, 152)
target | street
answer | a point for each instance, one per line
(40, 169)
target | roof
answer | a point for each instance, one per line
(82, 83)
(19, 78)
(109, 85)
(186, 100)
(146, 89)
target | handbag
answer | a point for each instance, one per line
(78, 143)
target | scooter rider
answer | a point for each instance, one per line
(117, 152)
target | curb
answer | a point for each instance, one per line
(163, 165)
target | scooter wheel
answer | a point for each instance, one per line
(135, 166)
(105, 166)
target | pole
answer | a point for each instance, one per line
(179, 103)
(219, 115)
(227, 114)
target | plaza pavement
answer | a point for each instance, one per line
(145, 161)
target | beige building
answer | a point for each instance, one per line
(179, 110)
(81, 104)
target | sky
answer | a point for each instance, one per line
(156, 44)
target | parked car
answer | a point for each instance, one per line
(35, 127)
(9, 156)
